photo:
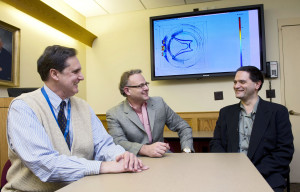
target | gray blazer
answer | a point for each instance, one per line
(128, 131)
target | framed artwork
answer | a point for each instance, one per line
(9, 55)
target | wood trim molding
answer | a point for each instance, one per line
(102, 118)
(53, 18)
(4, 104)
(199, 121)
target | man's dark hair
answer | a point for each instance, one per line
(124, 79)
(54, 57)
(254, 74)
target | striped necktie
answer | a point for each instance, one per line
(62, 121)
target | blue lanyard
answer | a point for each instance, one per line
(69, 112)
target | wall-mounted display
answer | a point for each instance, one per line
(207, 43)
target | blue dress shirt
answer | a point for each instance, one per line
(28, 138)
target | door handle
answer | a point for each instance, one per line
(292, 112)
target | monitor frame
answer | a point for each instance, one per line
(262, 43)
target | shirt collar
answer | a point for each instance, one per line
(254, 108)
(54, 98)
(144, 105)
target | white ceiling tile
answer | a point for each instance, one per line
(150, 4)
(198, 1)
(119, 6)
(88, 8)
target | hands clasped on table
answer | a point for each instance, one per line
(127, 162)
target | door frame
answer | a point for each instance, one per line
(289, 22)
(284, 23)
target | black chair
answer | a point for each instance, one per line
(288, 183)
(15, 92)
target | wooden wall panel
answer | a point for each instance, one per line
(190, 121)
(206, 124)
(4, 104)
(199, 121)
(102, 118)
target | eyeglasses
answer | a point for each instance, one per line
(142, 85)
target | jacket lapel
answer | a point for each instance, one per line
(262, 119)
(132, 116)
(151, 113)
(233, 127)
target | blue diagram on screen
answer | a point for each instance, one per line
(182, 46)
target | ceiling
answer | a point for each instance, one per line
(90, 8)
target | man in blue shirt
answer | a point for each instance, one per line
(55, 138)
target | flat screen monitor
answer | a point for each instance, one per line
(207, 43)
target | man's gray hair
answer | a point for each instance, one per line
(124, 79)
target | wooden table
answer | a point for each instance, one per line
(201, 140)
(180, 172)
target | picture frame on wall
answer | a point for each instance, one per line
(9, 55)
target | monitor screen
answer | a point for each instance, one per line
(207, 43)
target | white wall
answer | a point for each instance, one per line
(35, 37)
(124, 43)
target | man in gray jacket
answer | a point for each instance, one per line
(137, 123)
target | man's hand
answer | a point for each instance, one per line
(127, 162)
(157, 149)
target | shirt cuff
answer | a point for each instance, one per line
(93, 168)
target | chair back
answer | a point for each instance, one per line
(4, 172)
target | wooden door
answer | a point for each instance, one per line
(289, 38)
